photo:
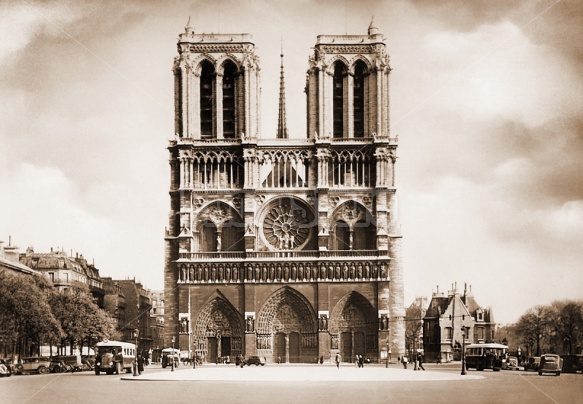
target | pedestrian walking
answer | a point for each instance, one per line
(361, 361)
(404, 361)
(338, 359)
(420, 360)
(140, 364)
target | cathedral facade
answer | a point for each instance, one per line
(287, 248)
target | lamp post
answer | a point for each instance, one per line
(388, 350)
(463, 351)
(173, 339)
(135, 335)
(194, 353)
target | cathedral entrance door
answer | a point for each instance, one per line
(226, 347)
(212, 350)
(294, 347)
(346, 347)
(279, 348)
(359, 344)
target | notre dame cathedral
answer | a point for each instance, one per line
(287, 248)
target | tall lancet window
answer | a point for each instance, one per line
(207, 100)
(358, 99)
(338, 100)
(229, 73)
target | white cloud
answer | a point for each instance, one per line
(496, 72)
(20, 21)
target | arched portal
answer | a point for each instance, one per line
(218, 332)
(354, 227)
(287, 328)
(220, 228)
(354, 323)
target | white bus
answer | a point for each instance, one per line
(486, 356)
(168, 354)
(114, 356)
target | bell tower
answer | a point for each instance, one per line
(216, 86)
(348, 86)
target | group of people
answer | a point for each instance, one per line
(359, 361)
(418, 361)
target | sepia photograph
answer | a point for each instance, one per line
(269, 201)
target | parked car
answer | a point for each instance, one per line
(550, 363)
(37, 364)
(572, 364)
(255, 360)
(4, 372)
(512, 363)
(9, 367)
(533, 363)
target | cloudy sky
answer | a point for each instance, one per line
(486, 98)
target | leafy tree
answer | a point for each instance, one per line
(25, 313)
(533, 326)
(80, 318)
(567, 325)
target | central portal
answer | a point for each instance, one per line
(289, 322)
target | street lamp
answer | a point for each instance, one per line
(173, 353)
(463, 351)
(135, 335)
(388, 350)
(194, 353)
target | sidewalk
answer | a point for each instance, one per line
(296, 373)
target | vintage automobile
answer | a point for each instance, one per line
(10, 369)
(35, 364)
(512, 363)
(533, 363)
(114, 357)
(550, 363)
(255, 360)
(168, 354)
(4, 372)
(572, 364)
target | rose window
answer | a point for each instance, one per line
(286, 227)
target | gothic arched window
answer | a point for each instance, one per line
(207, 100)
(358, 99)
(338, 100)
(229, 73)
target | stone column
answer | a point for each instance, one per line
(219, 105)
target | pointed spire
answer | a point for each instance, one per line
(372, 29)
(189, 29)
(281, 122)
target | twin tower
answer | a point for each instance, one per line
(287, 248)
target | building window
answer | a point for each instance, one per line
(229, 100)
(338, 100)
(207, 104)
(358, 100)
(448, 333)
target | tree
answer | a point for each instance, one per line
(414, 323)
(25, 314)
(80, 318)
(533, 326)
(567, 325)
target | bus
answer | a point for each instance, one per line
(114, 356)
(168, 354)
(486, 356)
